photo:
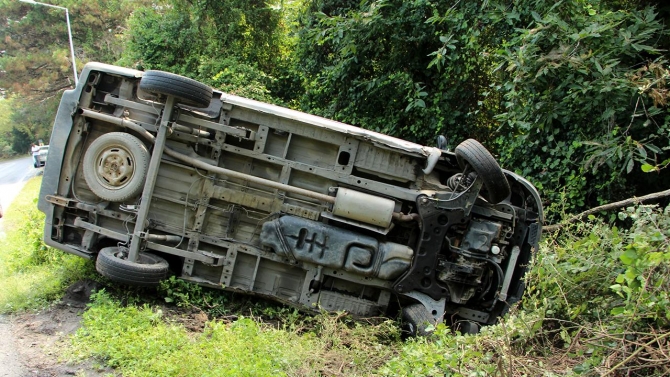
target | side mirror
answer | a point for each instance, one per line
(442, 143)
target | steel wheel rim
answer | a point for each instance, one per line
(115, 167)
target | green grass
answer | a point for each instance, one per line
(32, 275)
(597, 303)
(144, 341)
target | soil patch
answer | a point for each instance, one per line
(37, 337)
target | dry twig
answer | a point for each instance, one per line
(607, 207)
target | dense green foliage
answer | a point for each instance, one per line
(584, 100)
(572, 95)
(619, 268)
(35, 64)
(236, 46)
(35, 57)
(603, 292)
(413, 69)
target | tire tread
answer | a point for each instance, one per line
(186, 90)
(148, 272)
(485, 165)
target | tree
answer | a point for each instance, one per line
(6, 127)
(412, 69)
(34, 52)
(585, 100)
(233, 45)
(35, 56)
(35, 64)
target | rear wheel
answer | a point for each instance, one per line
(148, 271)
(472, 153)
(185, 90)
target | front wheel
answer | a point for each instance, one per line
(472, 153)
(417, 320)
(148, 271)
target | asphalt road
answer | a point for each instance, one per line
(9, 357)
(13, 175)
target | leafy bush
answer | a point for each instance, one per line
(411, 69)
(162, 39)
(571, 94)
(603, 293)
(644, 285)
(595, 270)
(235, 77)
(584, 100)
(235, 46)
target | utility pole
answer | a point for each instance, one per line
(69, 33)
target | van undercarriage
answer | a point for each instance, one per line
(153, 174)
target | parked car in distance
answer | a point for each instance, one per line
(153, 174)
(40, 156)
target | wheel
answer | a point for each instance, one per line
(147, 272)
(417, 320)
(471, 152)
(187, 91)
(115, 166)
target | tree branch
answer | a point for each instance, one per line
(607, 207)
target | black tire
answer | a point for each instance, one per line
(115, 166)
(147, 272)
(417, 321)
(471, 152)
(187, 91)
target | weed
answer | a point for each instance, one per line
(186, 294)
(139, 341)
(596, 304)
(32, 275)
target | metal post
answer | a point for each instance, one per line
(69, 34)
(152, 173)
